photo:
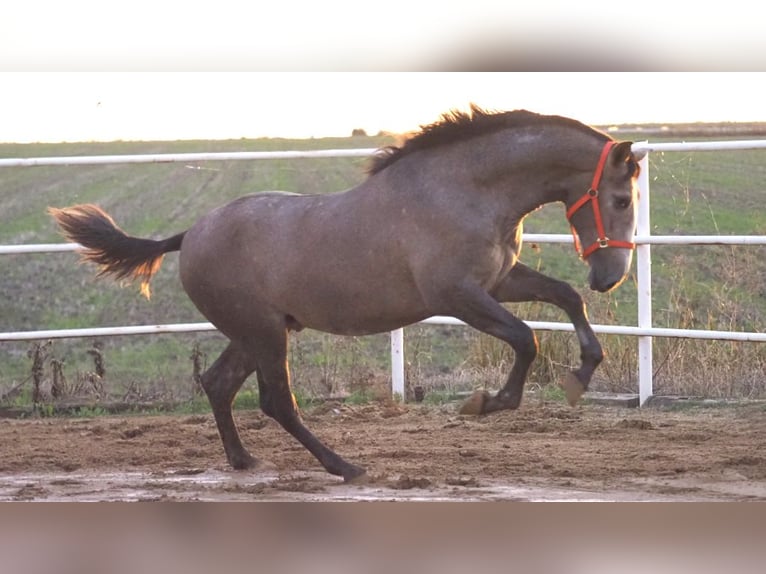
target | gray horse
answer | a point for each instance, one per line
(434, 230)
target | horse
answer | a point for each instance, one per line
(435, 228)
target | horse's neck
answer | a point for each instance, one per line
(539, 168)
(514, 173)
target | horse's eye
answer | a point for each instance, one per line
(622, 202)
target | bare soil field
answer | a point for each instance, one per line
(544, 451)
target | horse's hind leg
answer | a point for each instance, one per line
(277, 401)
(221, 383)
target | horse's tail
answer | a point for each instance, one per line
(105, 244)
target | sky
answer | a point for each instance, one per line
(101, 106)
(392, 35)
(89, 70)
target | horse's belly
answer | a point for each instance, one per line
(236, 297)
(343, 324)
(345, 312)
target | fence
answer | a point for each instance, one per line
(644, 330)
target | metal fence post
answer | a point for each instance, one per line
(397, 363)
(644, 278)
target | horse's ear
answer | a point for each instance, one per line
(621, 153)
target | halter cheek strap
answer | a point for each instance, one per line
(592, 196)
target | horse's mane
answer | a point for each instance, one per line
(457, 125)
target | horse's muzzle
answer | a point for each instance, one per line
(605, 281)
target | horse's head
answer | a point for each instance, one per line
(603, 217)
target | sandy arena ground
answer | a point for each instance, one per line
(544, 451)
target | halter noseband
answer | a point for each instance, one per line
(592, 196)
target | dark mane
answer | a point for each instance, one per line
(457, 125)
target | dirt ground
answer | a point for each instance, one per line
(543, 451)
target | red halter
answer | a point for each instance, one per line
(592, 196)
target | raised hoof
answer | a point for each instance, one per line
(573, 388)
(474, 405)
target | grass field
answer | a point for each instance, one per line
(695, 287)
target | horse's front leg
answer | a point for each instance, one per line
(471, 303)
(525, 284)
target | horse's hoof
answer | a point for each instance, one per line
(573, 388)
(356, 475)
(359, 479)
(475, 403)
(250, 463)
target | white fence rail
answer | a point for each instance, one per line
(183, 157)
(644, 330)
